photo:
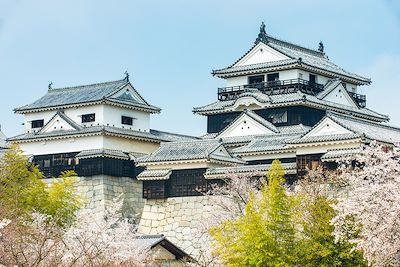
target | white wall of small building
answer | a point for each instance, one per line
(104, 115)
(64, 145)
(286, 75)
(129, 145)
(112, 117)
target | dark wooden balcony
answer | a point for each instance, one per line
(361, 100)
(271, 88)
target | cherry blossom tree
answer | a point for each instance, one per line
(368, 206)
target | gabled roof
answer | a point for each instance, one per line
(299, 57)
(289, 99)
(60, 114)
(107, 92)
(148, 242)
(190, 150)
(262, 124)
(329, 87)
(335, 154)
(358, 128)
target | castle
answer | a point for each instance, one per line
(281, 101)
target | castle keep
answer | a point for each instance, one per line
(281, 101)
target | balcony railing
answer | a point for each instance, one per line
(361, 100)
(271, 88)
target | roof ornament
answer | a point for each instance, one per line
(262, 36)
(299, 60)
(126, 76)
(321, 47)
(50, 85)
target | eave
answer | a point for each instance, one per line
(302, 66)
(111, 102)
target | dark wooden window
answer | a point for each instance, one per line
(126, 120)
(292, 115)
(313, 78)
(187, 183)
(217, 122)
(113, 167)
(88, 117)
(52, 165)
(273, 77)
(37, 123)
(154, 189)
(256, 79)
(305, 162)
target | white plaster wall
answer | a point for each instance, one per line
(73, 113)
(338, 96)
(62, 145)
(236, 81)
(269, 156)
(245, 126)
(129, 145)
(318, 148)
(112, 117)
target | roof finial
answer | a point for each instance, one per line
(321, 47)
(262, 36)
(126, 76)
(50, 85)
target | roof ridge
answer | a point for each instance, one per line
(83, 86)
(296, 46)
(177, 134)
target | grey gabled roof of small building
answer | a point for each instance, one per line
(296, 98)
(87, 94)
(154, 175)
(188, 150)
(335, 154)
(298, 57)
(147, 242)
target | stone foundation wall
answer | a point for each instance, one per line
(99, 191)
(180, 219)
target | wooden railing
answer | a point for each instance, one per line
(271, 87)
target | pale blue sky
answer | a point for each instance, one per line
(170, 48)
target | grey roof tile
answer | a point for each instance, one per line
(340, 153)
(154, 175)
(108, 153)
(267, 143)
(85, 94)
(189, 150)
(91, 130)
(325, 138)
(308, 57)
(246, 170)
(290, 99)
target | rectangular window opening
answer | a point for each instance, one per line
(273, 77)
(37, 123)
(256, 79)
(127, 120)
(88, 117)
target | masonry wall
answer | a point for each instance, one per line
(99, 191)
(180, 219)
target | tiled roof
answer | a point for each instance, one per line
(108, 153)
(325, 138)
(189, 150)
(148, 242)
(371, 130)
(309, 57)
(246, 170)
(267, 143)
(151, 175)
(261, 120)
(297, 98)
(87, 94)
(340, 153)
(107, 130)
(172, 136)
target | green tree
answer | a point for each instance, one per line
(318, 246)
(23, 190)
(265, 234)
